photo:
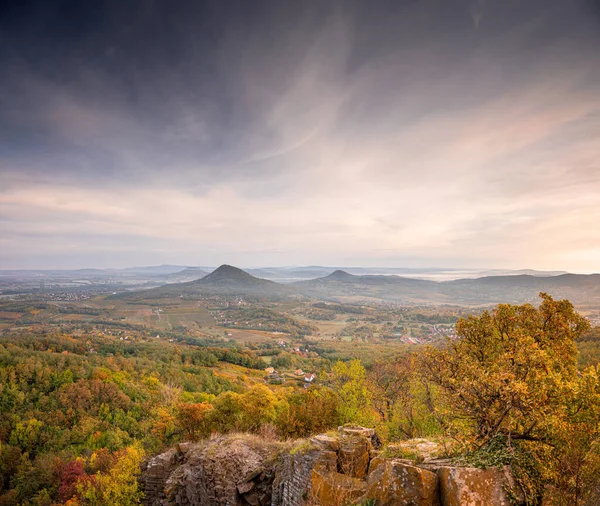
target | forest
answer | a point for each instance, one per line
(82, 410)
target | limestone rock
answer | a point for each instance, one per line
(357, 430)
(394, 482)
(418, 448)
(326, 442)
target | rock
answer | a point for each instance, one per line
(326, 442)
(356, 430)
(330, 488)
(327, 470)
(251, 499)
(244, 488)
(418, 448)
(206, 473)
(394, 482)
(468, 486)
(354, 455)
(293, 477)
(157, 472)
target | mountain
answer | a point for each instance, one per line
(151, 269)
(340, 275)
(225, 280)
(342, 284)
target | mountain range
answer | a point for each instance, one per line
(229, 280)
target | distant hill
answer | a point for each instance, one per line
(340, 275)
(581, 289)
(225, 280)
(342, 284)
(187, 274)
(152, 269)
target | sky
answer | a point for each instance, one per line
(404, 133)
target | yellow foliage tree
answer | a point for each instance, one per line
(118, 485)
(511, 371)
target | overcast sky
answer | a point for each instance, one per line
(409, 133)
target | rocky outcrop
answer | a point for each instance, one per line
(332, 469)
(232, 470)
(156, 473)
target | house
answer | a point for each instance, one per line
(299, 372)
(270, 370)
(309, 378)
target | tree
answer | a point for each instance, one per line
(512, 370)
(400, 398)
(350, 379)
(390, 383)
(308, 412)
(512, 383)
(194, 420)
(258, 408)
(225, 417)
(117, 486)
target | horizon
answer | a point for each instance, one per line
(377, 270)
(420, 134)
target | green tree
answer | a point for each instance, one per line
(259, 406)
(350, 379)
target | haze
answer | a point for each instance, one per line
(410, 133)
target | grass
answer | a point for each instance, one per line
(301, 447)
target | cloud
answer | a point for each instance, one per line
(311, 135)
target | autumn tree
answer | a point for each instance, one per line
(400, 398)
(511, 382)
(117, 486)
(510, 371)
(308, 412)
(194, 420)
(258, 408)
